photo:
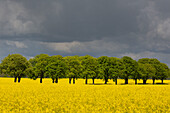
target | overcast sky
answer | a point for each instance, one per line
(135, 28)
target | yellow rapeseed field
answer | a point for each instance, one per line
(31, 96)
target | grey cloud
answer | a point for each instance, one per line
(95, 27)
(96, 47)
(11, 21)
(16, 44)
(70, 20)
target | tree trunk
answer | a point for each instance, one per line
(69, 80)
(162, 81)
(116, 81)
(106, 80)
(73, 80)
(126, 80)
(144, 81)
(15, 79)
(136, 81)
(86, 81)
(56, 80)
(153, 81)
(40, 79)
(19, 79)
(53, 80)
(93, 80)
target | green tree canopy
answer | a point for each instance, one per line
(163, 71)
(135, 73)
(104, 63)
(146, 71)
(129, 68)
(89, 67)
(115, 69)
(56, 70)
(74, 68)
(39, 64)
(15, 65)
(155, 63)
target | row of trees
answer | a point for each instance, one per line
(86, 67)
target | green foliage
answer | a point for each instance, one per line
(89, 67)
(54, 58)
(56, 69)
(144, 61)
(154, 62)
(104, 63)
(74, 68)
(135, 73)
(104, 67)
(30, 73)
(15, 65)
(129, 67)
(41, 61)
(146, 71)
(89, 74)
(163, 71)
(116, 67)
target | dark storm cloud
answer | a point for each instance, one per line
(138, 28)
(75, 20)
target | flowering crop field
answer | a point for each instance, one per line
(31, 96)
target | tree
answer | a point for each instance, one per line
(96, 71)
(67, 59)
(163, 72)
(146, 71)
(15, 65)
(87, 74)
(135, 73)
(115, 68)
(39, 64)
(129, 65)
(30, 73)
(89, 67)
(55, 58)
(155, 63)
(104, 63)
(74, 68)
(55, 70)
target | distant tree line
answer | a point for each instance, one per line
(86, 67)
